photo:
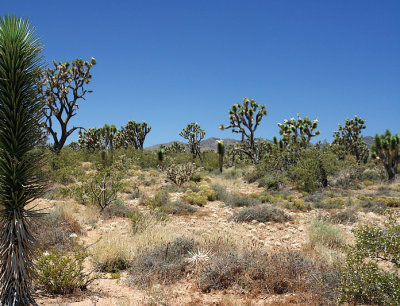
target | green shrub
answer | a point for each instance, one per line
(324, 233)
(118, 209)
(272, 182)
(241, 201)
(232, 173)
(347, 216)
(60, 273)
(180, 208)
(206, 193)
(260, 213)
(374, 175)
(363, 280)
(161, 198)
(220, 192)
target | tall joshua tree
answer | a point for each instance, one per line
(20, 118)
(386, 149)
(193, 133)
(61, 89)
(244, 119)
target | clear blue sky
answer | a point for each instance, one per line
(173, 62)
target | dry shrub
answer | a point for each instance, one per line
(164, 264)
(278, 273)
(57, 229)
(113, 252)
(261, 213)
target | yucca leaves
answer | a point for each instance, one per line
(20, 118)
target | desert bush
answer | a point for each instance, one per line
(371, 271)
(118, 208)
(260, 213)
(180, 173)
(326, 234)
(331, 203)
(180, 208)
(241, 201)
(389, 201)
(232, 173)
(373, 174)
(58, 272)
(194, 197)
(253, 175)
(297, 204)
(165, 264)
(278, 273)
(112, 253)
(160, 199)
(205, 193)
(272, 198)
(220, 192)
(55, 230)
(347, 216)
(103, 187)
(272, 182)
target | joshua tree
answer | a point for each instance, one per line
(221, 152)
(386, 149)
(90, 139)
(349, 136)
(193, 134)
(61, 89)
(298, 133)
(20, 119)
(244, 120)
(133, 134)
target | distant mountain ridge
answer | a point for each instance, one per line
(211, 143)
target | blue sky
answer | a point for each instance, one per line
(173, 62)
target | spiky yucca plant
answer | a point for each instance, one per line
(221, 152)
(20, 119)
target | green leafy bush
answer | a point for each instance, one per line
(58, 272)
(325, 233)
(371, 271)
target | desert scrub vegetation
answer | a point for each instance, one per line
(112, 253)
(205, 193)
(326, 234)
(272, 273)
(164, 264)
(260, 213)
(59, 272)
(370, 274)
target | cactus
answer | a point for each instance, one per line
(297, 134)
(221, 152)
(61, 89)
(193, 134)
(181, 173)
(350, 138)
(175, 147)
(386, 149)
(244, 120)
